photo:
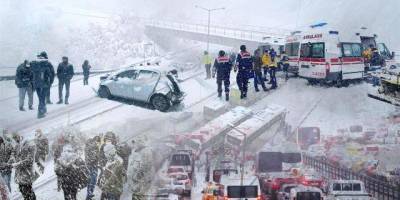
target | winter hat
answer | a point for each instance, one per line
(43, 54)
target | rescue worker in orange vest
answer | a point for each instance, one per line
(266, 61)
(244, 64)
(222, 68)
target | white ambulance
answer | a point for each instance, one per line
(292, 49)
(328, 55)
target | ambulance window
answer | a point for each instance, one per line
(305, 50)
(351, 50)
(318, 50)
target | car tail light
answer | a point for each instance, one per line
(225, 198)
(275, 185)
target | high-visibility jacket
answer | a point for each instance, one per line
(266, 60)
(367, 54)
(207, 60)
(273, 64)
(284, 59)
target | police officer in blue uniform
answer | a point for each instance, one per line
(222, 67)
(244, 64)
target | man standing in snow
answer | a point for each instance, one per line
(65, 72)
(92, 154)
(244, 64)
(207, 61)
(111, 180)
(42, 149)
(23, 165)
(43, 77)
(23, 80)
(257, 68)
(86, 72)
(5, 166)
(222, 68)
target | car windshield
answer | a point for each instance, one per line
(180, 160)
(242, 191)
(174, 170)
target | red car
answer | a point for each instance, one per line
(272, 184)
(311, 180)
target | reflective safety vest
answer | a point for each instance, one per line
(266, 60)
(207, 59)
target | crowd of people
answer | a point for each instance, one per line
(101, 161)
(246, 65)
(38, 76)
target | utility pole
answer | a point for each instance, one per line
(209, 22)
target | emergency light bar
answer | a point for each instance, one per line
(319, 25)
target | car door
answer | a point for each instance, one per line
(144, 84)
(122, 84)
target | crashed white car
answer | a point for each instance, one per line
(150, 84)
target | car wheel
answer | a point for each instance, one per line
(160, 102)
(104, 92)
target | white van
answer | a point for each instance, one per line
(249, 190)
(329, 55)
(292, 49)
(306, 193)
(345, 189)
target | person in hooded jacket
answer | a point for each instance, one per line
(65, 72)
(71, 172)
(6, 151)
(42, 149)
(24, 155)
(92, 156)
(111, 181)
(23, 80)
(43, 77)
(86, 72)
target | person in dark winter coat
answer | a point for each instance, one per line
(124, 151)
(257, 67)
(222, 67)
(23, 80)
(65, 72)
(92, 156)
(71, 172)
(86, 72)
(6, 151)
(244, 64)
(43, 77)
(42, 149)
(112, 179)
(23, 165)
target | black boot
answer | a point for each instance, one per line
(60, 101)
(66, 102)
(21, 109)
(227, 96)
(30, 108)
(245, 95)
(219, 94)
(241, 96)
(257, 90)
(265, 89)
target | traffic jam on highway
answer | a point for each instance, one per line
(325, 125)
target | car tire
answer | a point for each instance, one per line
(160, 102)
(104, 92)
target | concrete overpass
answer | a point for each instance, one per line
(227, 36)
